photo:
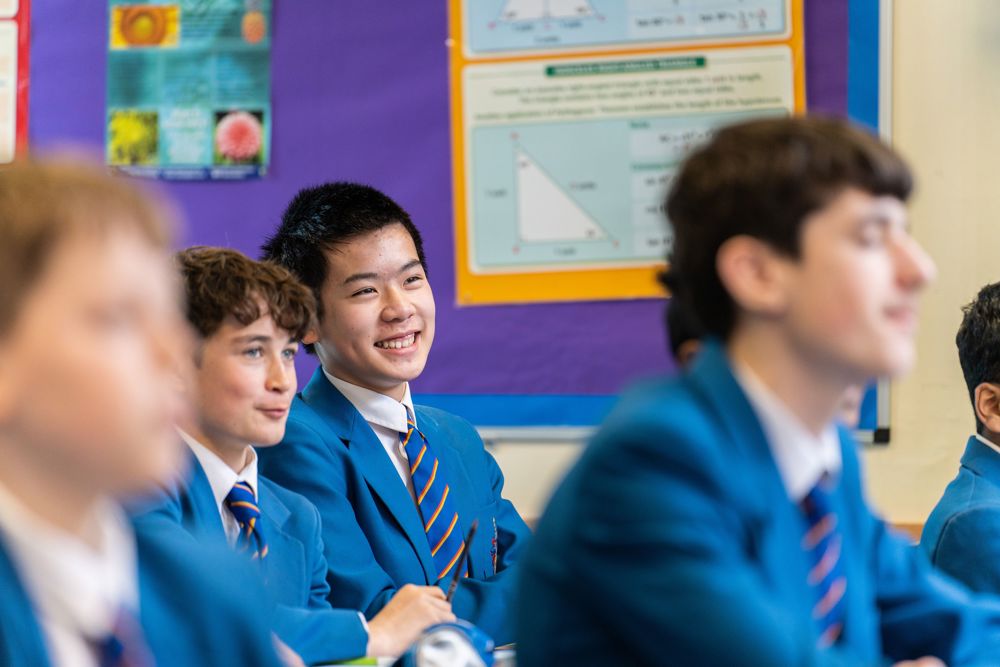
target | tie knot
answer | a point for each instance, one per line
(818, 501)
(242, 502)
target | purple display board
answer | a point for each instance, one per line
(360, 92)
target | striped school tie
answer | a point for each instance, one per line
(125, 646)
(242, 502)
(822, 543)
(440, 518)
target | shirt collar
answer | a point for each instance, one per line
(802, 457)
(221, 477)
(74, 585)
(376, 408)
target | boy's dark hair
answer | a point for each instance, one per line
(978, 342)
(762, 178)
(682, 326)
(320, 217)
(221, 283)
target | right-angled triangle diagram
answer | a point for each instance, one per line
(545, 212)
(535, 10)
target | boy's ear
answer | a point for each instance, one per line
(987, 404)
(311, 336)
(754, 274)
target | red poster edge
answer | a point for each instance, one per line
(23, 57)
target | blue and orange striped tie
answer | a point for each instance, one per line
(242, 502)
(437, 510)
(822, 543)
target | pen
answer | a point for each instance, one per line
(461, 561)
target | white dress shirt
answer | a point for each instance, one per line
(77, 590)
(802, 457)
(387, 418)
(222, 479)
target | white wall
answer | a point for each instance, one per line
(532, 470)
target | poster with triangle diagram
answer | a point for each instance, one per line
(545, 211)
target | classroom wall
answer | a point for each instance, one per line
(946, 90)
(331, 121)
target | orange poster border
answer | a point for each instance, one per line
(600, 284)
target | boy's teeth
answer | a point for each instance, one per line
(396, 344)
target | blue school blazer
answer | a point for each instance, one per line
(962, 533)
(189, 614)
(374, 538)
(294, 569)
(673, 541)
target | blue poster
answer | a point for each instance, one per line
(189, 88)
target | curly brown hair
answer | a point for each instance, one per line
(221, 283)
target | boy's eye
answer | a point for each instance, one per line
(414, 279)
(364, 290)
(871, 234)
(289, 353)
(254, 352)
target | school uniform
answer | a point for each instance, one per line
(135, 590)
(705, 525)
(345, 452)
(293, 568)
(962, 533)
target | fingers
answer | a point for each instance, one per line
(927, 661)
(434, 592)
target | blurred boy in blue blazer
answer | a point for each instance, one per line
(962, 533)
(90, 335)
(248, 318)
(397, 485)
(718, 517)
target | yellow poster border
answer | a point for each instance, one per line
(573, 284)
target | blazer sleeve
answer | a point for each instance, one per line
(926, 612)
(321, 635)
(968, 548)
(489, 602)
(304, 463)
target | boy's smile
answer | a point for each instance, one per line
(378, 312)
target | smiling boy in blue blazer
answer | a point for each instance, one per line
(962, 533)
(718, 517)
(398, 485)
(248, 318)
(90, 334)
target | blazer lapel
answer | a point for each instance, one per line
(198, 507)
(760, 488)
(21, 634)
(285, 551)
(713, 378)
(371, 459)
